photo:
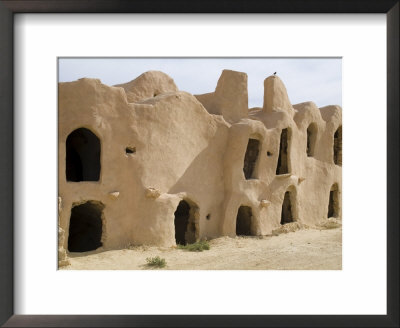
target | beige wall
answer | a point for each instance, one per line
(193, 147)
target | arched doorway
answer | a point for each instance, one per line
(85, 227)
(311, 139)
(83, 156)
(244, 221)
(333, 207)
(250, 158)
(283, 163)
(287, 215)
(185, 223)
(337, 146)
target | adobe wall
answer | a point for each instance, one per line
(193, 148)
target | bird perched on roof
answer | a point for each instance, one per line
(274, 73)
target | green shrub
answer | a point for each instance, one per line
(196, 247)
(156, 262)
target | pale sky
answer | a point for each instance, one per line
(306, 79)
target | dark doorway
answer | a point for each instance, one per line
(185, 226)
(243, 221)
(282, 167)
(311, 139)
(250, 159)
(83, 156)
(85, 227)
(333, 208)
(337, 146)
(287, 214)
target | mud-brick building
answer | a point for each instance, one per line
(146, 163)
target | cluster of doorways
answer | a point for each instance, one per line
(244, 219)
(86, 221)
(83, 164)
(253, 150)
(83, 153)
(244, 216)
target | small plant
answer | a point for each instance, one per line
(196, 247)
(156, 262)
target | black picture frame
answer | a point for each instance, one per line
(10, 7)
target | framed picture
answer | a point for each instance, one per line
(37, 293)
(294, 151)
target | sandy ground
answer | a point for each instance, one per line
(309, 249)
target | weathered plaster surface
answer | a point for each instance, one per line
(193, 148)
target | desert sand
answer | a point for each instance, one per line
(305, 249)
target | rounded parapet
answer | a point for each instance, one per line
(275, 96)
(306, 113)
(332, 113)
(148, 85)
(230, 98)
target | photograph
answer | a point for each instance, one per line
(199, 163)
